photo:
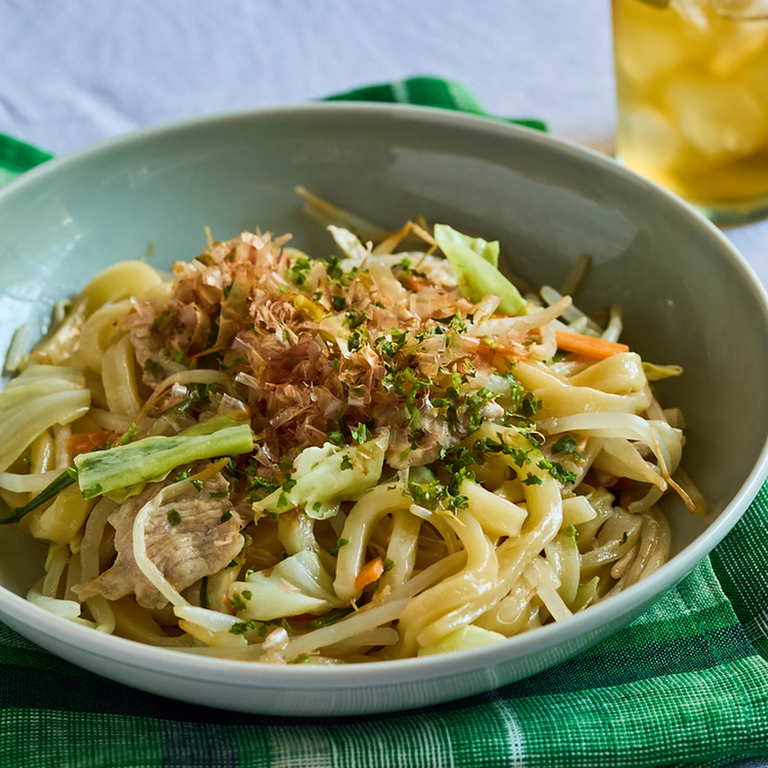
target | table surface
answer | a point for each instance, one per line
(73, 73)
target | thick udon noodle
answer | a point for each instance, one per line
(500, 480)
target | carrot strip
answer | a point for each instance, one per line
(369, 573)
(82, 442)
(589, 346)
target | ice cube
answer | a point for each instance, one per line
(718, 118)
(741, 45)
(741, 9)
(645, 52)
(694, 13)
(647, 139)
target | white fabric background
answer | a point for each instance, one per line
(77, 71)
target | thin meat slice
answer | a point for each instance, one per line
(196, 534)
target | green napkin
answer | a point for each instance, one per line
(17, 157)
(685, 685)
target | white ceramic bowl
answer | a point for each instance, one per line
(688, 298)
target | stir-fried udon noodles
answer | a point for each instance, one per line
(386, 452)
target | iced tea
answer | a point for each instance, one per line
(692, 88)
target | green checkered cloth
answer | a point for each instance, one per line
(685, 685)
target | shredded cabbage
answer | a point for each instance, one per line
(59, 396)
(323, 477)
(152, 458)
(476, 271)
(298, 584)
(461, 639)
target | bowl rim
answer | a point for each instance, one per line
(248, 674)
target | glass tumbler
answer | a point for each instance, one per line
(692, 96)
